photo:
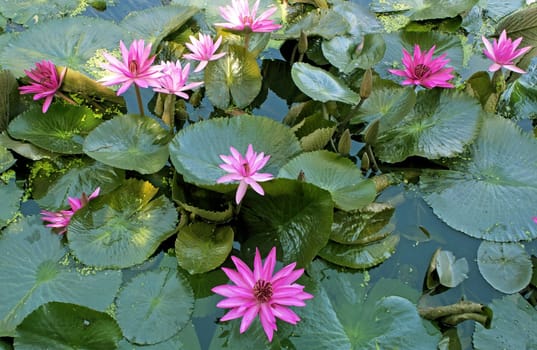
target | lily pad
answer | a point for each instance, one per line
(68, 42)
(201, 247)
(293, 215)
(451, 271)
(62, 129)
(326, 23)
(122, 228)
(6, 159)
(155, 23)
(322, 86)
(498, 197)
(130, 142)
(512, 327)
(441, 125)
(348, 54)
(65, 326)
(505, 266)
(233, 79)
(419, 10)
(34, 269)
(32, 12)
(185, 339)
(200, 165)
(11, 196)
(334, 173)
(359, 256)
(154, 306)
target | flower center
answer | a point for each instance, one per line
(262, 291)
(247, 21)
(133, 66)
(246, 168)
(421, 70)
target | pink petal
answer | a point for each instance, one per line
(248, 318)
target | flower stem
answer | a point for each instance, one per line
(65, 97)
(246, 41)
(139, 99)
(168, 115)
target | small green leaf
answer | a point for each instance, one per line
(65, 326)
(62, 129)
(505, 266)
(322, 86)
(334, 173)
(154, 306)
(451, 272)
(130, 142)
(122, 228)
(233, 79)
(201, 247)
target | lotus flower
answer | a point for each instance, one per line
(262, 293)
(245, 169)
(45, 82)
(241, 18)
(62, 218)
(174, 79)
(422, 69)
(203, 50)
(503, 51)
(136, 67)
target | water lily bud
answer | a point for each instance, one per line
(344, 144)
(301, 176)
(372, 132)
(365, 164)
(99, 5)
(303, 43)
(367, 84)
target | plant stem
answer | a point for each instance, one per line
(246, 41)
(65, 97)
(139, 100)
(168, 114)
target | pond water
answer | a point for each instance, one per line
(420, 230)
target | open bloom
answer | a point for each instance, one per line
(62, 218)
(174, 79)
(241, 18)
(45, 82)
(503, 51)
(262, 293)
(245, 169)
(203, 50)
(136, 67)
(422, 69)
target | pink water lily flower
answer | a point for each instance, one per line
(136, 67)
(261, 292)
(60, 220)
(203, 50)
(422, 69)
(503, 52)
(535, 219)
(174, 79)
(239, 17)
(45, 82)
(245, 169)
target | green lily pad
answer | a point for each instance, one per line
(130, 142)
(34, 269)
(32, 12)
(344, 52)
(419, 10)
(24, 149)
(362, 226)
(154, 306)
(62, 129)
(358, 256)
(451, 271)
(199, 165)
(185, 339)
(233, 79)
(11, 196)
(65, 326)
(521, 96)
(441, 125)
(322, 86)
(122, 228)
(512, 327)
(384, 321)
(292, 215)
(6, 159)
(498, 198)
(52, 184)
(68, 42)
(389, 106)
(334, 173)
(326, 23)
(505, 266)
(201, 247)
(314, 132)
(155, 23)
(10, 101)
